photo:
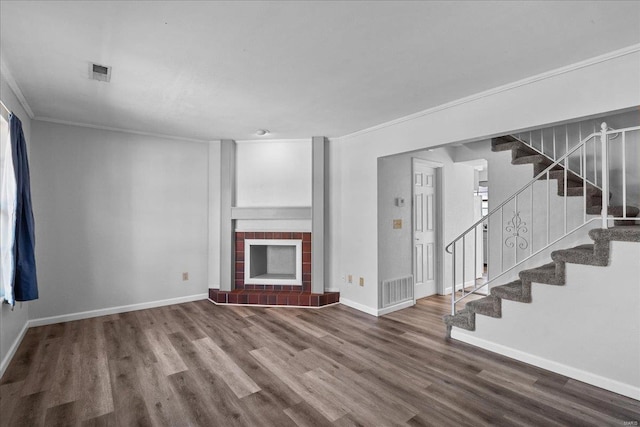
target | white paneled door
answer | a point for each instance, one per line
(424, 229)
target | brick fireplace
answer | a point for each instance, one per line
(243, 216)
(274, 293)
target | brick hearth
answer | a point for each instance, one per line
(262, 297)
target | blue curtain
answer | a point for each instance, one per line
(25, 283)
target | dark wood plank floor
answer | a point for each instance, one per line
(198, 364)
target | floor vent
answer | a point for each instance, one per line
(395, 291)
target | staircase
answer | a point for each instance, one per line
(553, 273)
(570, 184)
(523, 154)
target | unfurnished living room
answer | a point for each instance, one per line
(310, 213)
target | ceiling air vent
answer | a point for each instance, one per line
(99, 72)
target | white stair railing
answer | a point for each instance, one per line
(541, 219)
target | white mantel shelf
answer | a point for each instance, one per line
(295, 212)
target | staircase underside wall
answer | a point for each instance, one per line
(588, 329)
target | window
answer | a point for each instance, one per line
(7, 212)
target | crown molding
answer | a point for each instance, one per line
(4, 70)
(290, 140)
(116, 129)
(509, 86)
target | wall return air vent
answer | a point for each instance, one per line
(98, 72)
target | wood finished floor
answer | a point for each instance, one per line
(198, 364)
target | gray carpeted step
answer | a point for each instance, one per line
(488, 306)
(504, 143)
(529, 159)
(629, 233)
(538, 168)
(550, 274)
(463, 319)
(632, 211)
(573, 180)
(583, 254)
(521, 150)
(514, 291)
(505, 146)
(579, 191)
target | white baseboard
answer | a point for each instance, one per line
(396, 307)
(12, 350)
(550, 365)
(114, 310)
(374, 311)
(358, 306)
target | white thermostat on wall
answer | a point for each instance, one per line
(399, 202)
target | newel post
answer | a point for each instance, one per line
(605, 174)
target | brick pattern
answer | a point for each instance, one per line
(266, 297)
(285, 235)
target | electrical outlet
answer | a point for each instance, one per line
(362, 281)
(350, 278)
(185, 276)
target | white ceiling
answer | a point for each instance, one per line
(211, 70)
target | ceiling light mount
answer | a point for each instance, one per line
(262, 132)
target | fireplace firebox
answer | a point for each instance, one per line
(273, 262)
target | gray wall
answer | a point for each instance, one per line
(13, 321)
(119, 217)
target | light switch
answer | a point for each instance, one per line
(397, 223)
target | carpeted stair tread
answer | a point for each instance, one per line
(532, 158)
(513, 291)
(539, 168)
(573, 180)
(521, 150)
(579, 191)
(622, 233)
(548, 274)
(583, 254)
(632, 211)
(488, 306)
(506, 146)
(505, 143)
(463, 319)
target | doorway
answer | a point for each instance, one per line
(425, 225)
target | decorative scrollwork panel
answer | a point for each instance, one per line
(516, 227)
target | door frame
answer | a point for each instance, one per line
(439, 247)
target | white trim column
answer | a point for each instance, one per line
(227, 201)
(320, 213)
